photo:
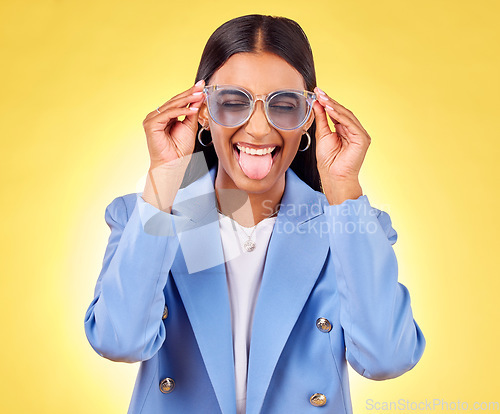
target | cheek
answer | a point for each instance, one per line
(292, 142)
(221, 138)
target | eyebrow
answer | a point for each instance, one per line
(289, 94)
(235, 91)
(231, 92)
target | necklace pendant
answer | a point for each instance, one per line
(249, 245)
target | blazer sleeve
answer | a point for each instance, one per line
(124, 320)
(382, 338)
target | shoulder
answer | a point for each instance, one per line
(300, 192)
(121, 207)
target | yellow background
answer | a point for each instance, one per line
(78, 78)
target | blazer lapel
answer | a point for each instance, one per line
(200, 276)
(296, 254)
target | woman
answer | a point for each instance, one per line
(238, 284)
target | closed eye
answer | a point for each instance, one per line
(282, 108)
(233, 103)
(233, 106)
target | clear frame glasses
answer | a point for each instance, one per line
(232, 106)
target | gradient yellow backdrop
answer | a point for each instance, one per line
(78, 78)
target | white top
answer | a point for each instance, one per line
(244, 274)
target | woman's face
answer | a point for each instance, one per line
(259, 73)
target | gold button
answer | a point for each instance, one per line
(165, 312)
(167, 385)
(318, 400)
(323, 325)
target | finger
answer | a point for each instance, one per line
(161, 120)
(342, 132)
(342, 119)
(188, 100)
(324, 100)
(323, 130)
(182, 101)
(327, 101)
(191, 119)
(193, 94)
(338, 113)
(348, 129)
(322, 127)
(198, 86)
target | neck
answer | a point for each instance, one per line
(248, 208)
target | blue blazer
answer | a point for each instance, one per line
(162, 299)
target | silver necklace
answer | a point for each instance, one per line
(249, 245)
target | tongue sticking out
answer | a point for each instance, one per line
(255, 167)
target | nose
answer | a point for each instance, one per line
(258, 125)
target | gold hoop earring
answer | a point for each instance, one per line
(199, 137)
(308, 142)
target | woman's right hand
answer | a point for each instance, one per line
(168, 138)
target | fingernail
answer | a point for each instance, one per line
(193, 108)
(323, 97)
(320, 91)
(330, 108)
(197, 93)
(199, 82)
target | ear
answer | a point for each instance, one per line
(203, 115)
(309, 122)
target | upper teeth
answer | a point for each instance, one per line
(253, 151)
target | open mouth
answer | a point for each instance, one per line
(255, 162)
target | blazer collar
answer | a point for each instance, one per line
(296, 253)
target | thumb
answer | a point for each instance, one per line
(191, 120)
(322, 127)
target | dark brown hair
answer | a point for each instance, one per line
(260, 33)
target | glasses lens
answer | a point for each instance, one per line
(229, 107)
(287, 110)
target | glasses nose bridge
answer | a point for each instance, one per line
(255, 99)
(260, 98)
(263, 99)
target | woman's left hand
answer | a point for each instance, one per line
(339, 154)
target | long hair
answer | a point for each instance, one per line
(260, 33)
